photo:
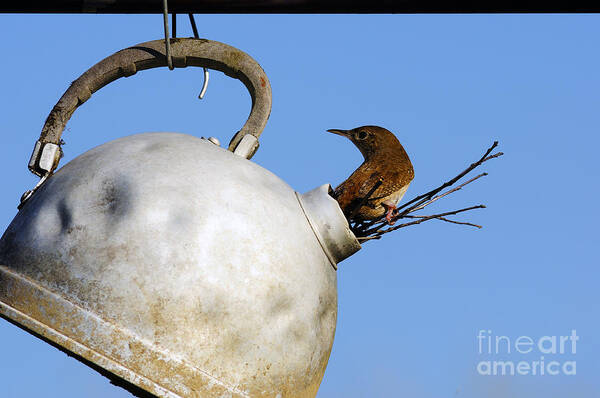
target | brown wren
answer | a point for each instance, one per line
(386, 168)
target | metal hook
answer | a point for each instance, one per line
(167, 40)
(206, 75)
(204, 84)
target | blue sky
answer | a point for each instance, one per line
(412, 304)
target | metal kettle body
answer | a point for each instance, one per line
(180, 267)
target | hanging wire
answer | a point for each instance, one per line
(206, 75)
(167, 40)
(174, 33)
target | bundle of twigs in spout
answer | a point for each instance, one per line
(375, 229)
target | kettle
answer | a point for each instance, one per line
(170, 264)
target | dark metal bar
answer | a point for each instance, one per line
(174, 27)
(193, 23)
(293, 6)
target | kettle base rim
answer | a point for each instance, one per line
(44, 327)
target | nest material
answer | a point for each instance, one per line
(375, 229)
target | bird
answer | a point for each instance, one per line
(386, 169)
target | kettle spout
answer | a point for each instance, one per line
(329, 224)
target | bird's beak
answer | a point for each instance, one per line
(343, 133)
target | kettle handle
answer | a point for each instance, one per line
(184, 52)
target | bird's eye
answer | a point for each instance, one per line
(362, 135)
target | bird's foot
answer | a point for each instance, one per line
(389, 208)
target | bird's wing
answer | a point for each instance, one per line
(374, 180)
(347, 192)
(392, 180)
(352, 191)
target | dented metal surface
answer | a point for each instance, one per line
(197, 277)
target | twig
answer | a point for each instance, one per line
(366, 238)
(447, 193)
(426, 218)
(448, 220)
(460, 222)
(496, 155)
